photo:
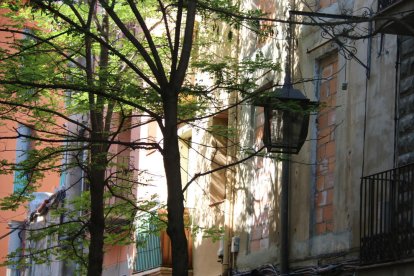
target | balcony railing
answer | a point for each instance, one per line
(387, 215)
(383, 4)
(154, 246)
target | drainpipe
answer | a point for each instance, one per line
(227, 262)
(284, 193)
(226, 238)
(284, 218)
(396, 101)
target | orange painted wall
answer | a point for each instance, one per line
(8, 152)
(49, 184)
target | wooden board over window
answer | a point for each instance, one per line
(218, 159)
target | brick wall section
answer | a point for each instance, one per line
(326, 147)
(406, 102)
(259, 232)
(266, 27)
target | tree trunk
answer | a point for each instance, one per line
(175, 202)
(99, 152)
(97, 219)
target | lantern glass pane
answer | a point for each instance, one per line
(295, 128)
(276, 127)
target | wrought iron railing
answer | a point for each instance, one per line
(383, 4)
(387, 215)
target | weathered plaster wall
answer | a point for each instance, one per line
(207, 211)
(363, 145)
(257, 185)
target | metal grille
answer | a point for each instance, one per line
(148, 244)
(383, 4)
(387, 215)
(149, 252)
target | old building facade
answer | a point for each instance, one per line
(350, 192)
(350, 205)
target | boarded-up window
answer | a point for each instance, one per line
(184, 144)
(218, 159)
(326, 148)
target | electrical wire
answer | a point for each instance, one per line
(345, 267)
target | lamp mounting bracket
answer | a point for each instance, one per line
(342, 31)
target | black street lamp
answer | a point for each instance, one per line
(286, 125)
(286, 121)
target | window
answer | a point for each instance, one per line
(23, 145)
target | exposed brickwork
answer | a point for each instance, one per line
(326, 146)
(259, 232)
(266, 27)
